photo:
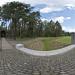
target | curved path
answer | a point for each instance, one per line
(16, 62)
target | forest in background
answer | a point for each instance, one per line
(25, 22)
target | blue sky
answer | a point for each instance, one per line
(57, 10)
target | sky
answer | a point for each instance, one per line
(57, 10)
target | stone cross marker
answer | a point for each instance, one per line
(73, 38)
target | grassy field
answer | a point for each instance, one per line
(47, 43)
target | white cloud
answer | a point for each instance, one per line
(68, 29)
(71, 29)
(32, 2)
(52, 4)
(61, 19)
(70, 6)
(54, 7)
(45, 10)
(68, 18)
(49, 2)
(58, 5)
(43, 19)
(50, 9)
(5, 1)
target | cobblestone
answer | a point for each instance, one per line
(15, 62)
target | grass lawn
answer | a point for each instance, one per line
(47, 43)
(56, 42)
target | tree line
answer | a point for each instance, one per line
(25, 22)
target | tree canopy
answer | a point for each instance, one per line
(24, 22)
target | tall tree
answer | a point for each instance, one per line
(50, 28)
(58, 29)
(34, 20)
(14, 11)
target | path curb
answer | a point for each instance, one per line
(44, 53)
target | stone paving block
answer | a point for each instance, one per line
(14, 62)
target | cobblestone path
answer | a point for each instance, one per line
(15, 62)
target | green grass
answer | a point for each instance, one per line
(56, 42)
(46, 43)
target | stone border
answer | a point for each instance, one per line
(44, 53)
